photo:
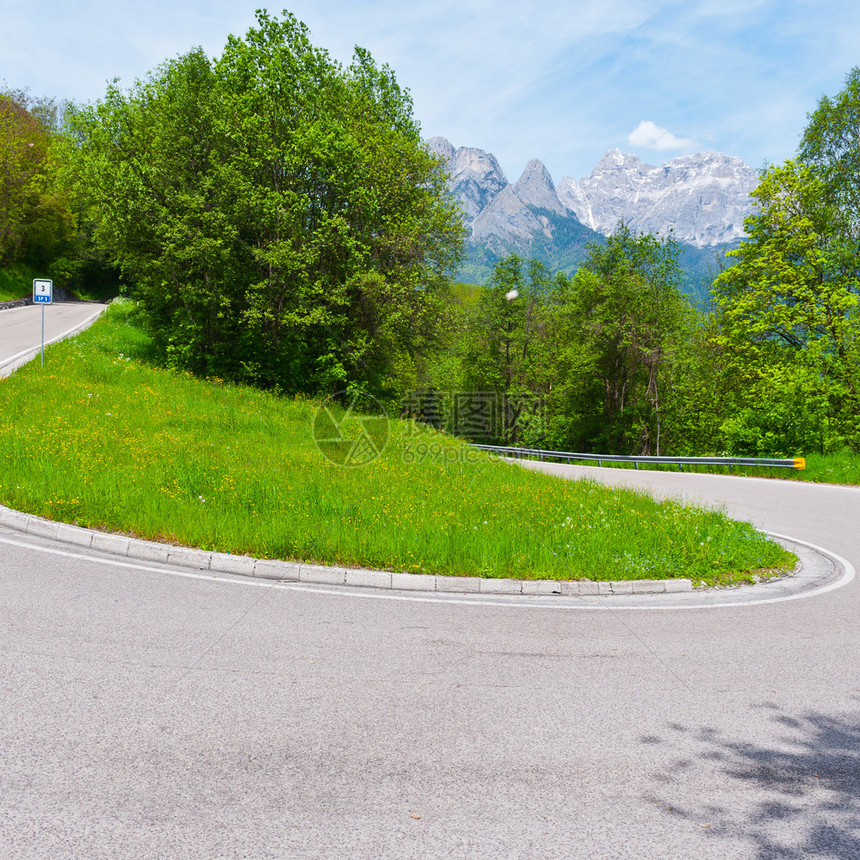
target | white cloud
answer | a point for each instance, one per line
(652, 136)
(542, 80)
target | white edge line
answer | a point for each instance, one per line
(353, 591)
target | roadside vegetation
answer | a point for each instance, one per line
(311, 250)
(16, 282)
(102, 438)
(840, 467)
(286, 236)
(43, 230)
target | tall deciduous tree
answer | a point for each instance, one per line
(277, 214)
(619, 326)
(790, 306)
(34, 210)
(830, 147)
(504, 357)
(789, 313)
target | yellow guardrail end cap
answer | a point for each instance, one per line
(799, 463)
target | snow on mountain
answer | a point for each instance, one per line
(702, 199)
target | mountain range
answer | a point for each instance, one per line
(701, 200)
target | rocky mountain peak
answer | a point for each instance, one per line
(476, 176)
(536, 189)
(535, 173)
(615, 160)
(702, 199)
(441, 146)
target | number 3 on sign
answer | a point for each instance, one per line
(42, 291)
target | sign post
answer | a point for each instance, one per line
(43, 291)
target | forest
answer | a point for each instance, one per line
(279, 222)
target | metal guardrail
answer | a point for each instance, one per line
(570, 456)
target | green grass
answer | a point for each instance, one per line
(842, 467)
(16, 282)
(102, 438)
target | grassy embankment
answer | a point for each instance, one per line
(102, 438)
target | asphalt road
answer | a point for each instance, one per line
(21, 328)
(156, 713)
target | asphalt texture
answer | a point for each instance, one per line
(21, 329)
(152, 711)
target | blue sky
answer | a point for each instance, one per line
(559, 81)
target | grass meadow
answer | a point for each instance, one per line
(101, 437)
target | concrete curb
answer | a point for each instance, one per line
(289, 571)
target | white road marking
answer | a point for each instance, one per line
(513, 601)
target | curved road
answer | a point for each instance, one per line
(21, 328)
(154, 713)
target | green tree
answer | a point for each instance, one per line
(505, 372)
(830, 147)
(35, 218)
(788, 309)
(277, 214)
(618, 328)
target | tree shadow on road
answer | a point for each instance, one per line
(795, 796)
